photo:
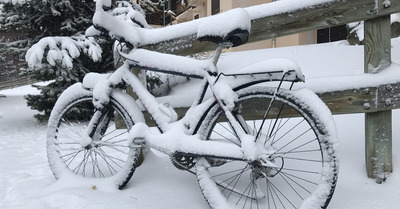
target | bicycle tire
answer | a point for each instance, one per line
(70, 152)
(306, 169)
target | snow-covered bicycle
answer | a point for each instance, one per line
(251, 142)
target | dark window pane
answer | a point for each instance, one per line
(214, 7)
(332, 34)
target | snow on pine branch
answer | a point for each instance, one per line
(62, 50)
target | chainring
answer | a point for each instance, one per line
(183, 162)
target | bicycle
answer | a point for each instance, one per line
(251, 145)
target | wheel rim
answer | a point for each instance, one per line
(103, 157)
(297, 161)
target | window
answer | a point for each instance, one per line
(332, 34)
(173, 4)
(215, 7)
(197, 16)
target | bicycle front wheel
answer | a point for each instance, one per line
(92, 143)
(299, 132)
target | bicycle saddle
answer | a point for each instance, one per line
(232, 26)
(236, 37)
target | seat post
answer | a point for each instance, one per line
(219, 49)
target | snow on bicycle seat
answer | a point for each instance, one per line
(232, 26)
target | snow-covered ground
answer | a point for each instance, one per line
(27, 182)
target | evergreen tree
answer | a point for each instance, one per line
(67, 18)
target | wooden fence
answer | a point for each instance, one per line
(373, 100)
(10, 78)
(15, 82)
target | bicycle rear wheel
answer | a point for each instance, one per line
(300, 132)
(103, 152)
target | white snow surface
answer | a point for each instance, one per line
(27, 183)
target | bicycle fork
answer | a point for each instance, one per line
(97, 126)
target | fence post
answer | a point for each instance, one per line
(378, 125)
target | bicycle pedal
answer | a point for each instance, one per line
(139, 141)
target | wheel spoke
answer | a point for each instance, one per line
(290, 142)
(235, 180)
(226, 138)
(229, 172)
(113, 143)
(115, 137)
(97, 165)
(287, 132)
(73, 124)
(110, 167)
(305, 180)
(71, 153)
(78, 167)
(291, 186)
(114, 147)
(247, 191)
(110, 157)
(274, 134)
(285, 177)
(279, 195)
(72, 157)
(301, 171)
(299, 151)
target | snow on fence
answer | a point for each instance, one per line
(281, 18)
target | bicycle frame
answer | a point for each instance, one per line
(222, 86)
